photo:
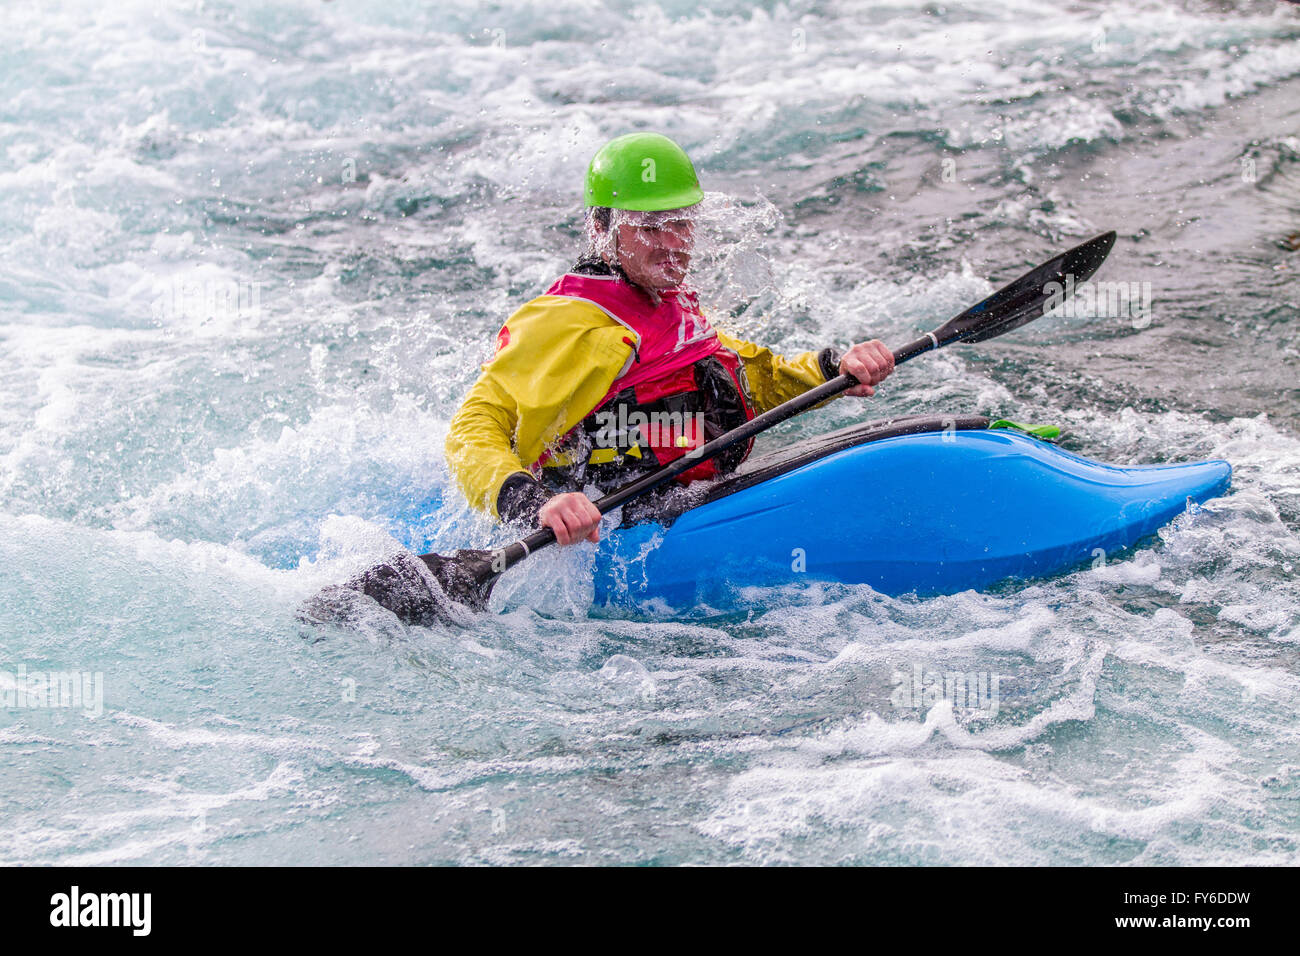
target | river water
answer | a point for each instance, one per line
(251, 256)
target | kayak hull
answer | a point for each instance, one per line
(929, 512)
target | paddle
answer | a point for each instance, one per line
(467, 576)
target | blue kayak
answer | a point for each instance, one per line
(925, 505)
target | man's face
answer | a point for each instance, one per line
(654, 249)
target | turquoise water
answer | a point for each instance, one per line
(253, 254)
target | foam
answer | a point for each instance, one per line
(173, 485)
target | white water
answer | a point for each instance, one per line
(386, 183)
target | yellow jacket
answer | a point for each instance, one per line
(557, 358)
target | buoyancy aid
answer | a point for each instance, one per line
(558, 359)
(682, 389)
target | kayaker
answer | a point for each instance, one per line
(615, 371)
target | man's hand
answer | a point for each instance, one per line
(572, 517)
(870, 363)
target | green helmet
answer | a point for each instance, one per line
(642, 171)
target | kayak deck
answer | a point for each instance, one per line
(926, 504)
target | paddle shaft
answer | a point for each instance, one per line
(512, 554)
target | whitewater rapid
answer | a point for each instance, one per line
(252, 255)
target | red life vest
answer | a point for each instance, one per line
(673, 396)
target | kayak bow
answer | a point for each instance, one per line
(926, 504)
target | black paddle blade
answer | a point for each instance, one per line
(1026, 299)
(419, 589)
(466, 577)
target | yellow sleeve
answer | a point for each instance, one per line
(556, 359)
(774, 379)
(480, 443)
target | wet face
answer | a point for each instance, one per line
(655, 254)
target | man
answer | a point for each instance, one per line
(615, 371)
